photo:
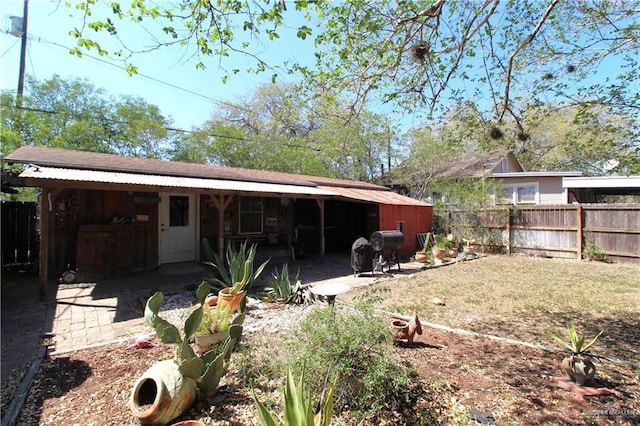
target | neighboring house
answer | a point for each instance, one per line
(517, 185)
(106, 214)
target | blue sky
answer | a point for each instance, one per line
(47, 54)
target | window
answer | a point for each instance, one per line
(519, 193)
(178, 211)
(250, 215)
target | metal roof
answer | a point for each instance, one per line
(78, 175)
(602, 182)
(381, 197)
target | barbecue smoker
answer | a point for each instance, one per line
(384, 242)
(362, 259)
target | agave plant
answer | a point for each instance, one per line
(236, 268)
(576, 342)
(578, 366)
(298, 409)
(280, 286)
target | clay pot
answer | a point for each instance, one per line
(452, 253)
(579, 368)
(230, 299)
(439, 253)
(211, 300)
(161, 394)
(205, 342)
(422, 257)
(189, 423)
(468, 250)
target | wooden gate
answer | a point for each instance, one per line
(19, 233)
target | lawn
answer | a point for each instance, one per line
(523, 298)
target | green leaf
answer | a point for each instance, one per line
(192, 323)
(191, 367)
(203, 291)
(266, 417)
(152, 307)
(166, 332)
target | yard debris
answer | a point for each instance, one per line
(437, 301)
(143, 341)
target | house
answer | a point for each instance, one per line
(517, 186)
(107, 214)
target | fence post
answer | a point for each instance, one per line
(579, 228)
(509, 220)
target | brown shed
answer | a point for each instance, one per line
(107, 215)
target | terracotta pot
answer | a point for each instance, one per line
(468, 250)
(230, 299)
(422, 257)
(452, 253)
(579, 368)
(205, 342)
(211, 300)
(161, 394)
(189, 423)
(439, 253)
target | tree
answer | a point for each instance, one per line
(74, 114)
(275, 129)
(417, 53)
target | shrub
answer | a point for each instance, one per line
(357, 346)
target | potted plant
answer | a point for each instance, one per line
(214, 327)
(467, 245)
(452, 246)
(439, 248)
(422, 256)
(236, 273)
(578, 366)
(166, 389)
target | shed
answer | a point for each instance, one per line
(107, 215)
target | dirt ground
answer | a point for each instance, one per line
(471, 380)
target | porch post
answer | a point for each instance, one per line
(320, 202)
(44, 241)
(221, 204)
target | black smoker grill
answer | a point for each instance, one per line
(362, 259)
(382, 241)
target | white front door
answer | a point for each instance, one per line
(177, 228)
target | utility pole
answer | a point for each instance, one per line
(23, 52)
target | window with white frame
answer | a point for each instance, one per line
(518, 193)
(250, 215)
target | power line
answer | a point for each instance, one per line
(171, 129)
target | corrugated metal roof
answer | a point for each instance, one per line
(374, 196)
(77, 175)
(84, 160)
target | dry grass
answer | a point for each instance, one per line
(525, 298)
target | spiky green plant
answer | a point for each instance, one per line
(280, 286)
(236, 268)
(298, 409)
(576, 343)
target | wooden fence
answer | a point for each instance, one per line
(19, 233)
(558, 231)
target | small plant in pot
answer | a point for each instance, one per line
(236, 273)
(422, 256)
(578, 366)
(452, 246)
(214, 327)
(468, 249)
(439, 249)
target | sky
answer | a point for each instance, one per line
(186, 94)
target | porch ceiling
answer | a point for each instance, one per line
(118, 178)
